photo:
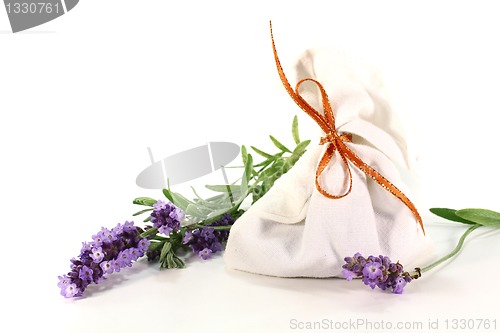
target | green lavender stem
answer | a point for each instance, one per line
(455, 251)
(148, 232)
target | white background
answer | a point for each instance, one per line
(83, 96)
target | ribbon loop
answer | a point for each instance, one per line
(336, 142)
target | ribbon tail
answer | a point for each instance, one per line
(382, 181)
(295, 95)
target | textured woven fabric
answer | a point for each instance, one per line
(294, 230)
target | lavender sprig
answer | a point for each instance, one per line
(377, 272)
(380, 272)
(166, 217)
(110, 251)
(207, 240)
(204, 239)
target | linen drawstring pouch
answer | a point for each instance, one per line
(345, 194)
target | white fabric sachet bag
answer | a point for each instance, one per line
(297, 229)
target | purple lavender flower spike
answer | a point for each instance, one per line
(166, 217)
(110, 251)
(377, 272)
(207, 238)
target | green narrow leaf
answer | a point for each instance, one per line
(247, 175)
(155, 246)
(180, 201)
(272, 159)
(167, 194)
(279, 144)
(269, 173)
(261, 153)
(143, 211)
(170, 260)
(244, 154)
(248, 169)
(223, 188)
(176, 198)
(179, 263)
(223, 201)
(164, 250)
(255, 173)
(215, 198)
(484, 217)
(144, 201)
(148, 232)
(147, 219)
(198, 199)
(194, 211)
(219, 212)
(295, 130)
(207, 205)
(449, 214)
(264, 163)
(286, 167)
(301, 148)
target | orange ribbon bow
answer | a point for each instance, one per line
(335, 142)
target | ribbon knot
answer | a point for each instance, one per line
(336, 142)
(333, 135)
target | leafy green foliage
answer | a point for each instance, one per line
(449, 214)
(144, 201)
(143, 211)
(275, 165)
(295, 130)
(256, 180)
(279, 144)
(478, 216)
